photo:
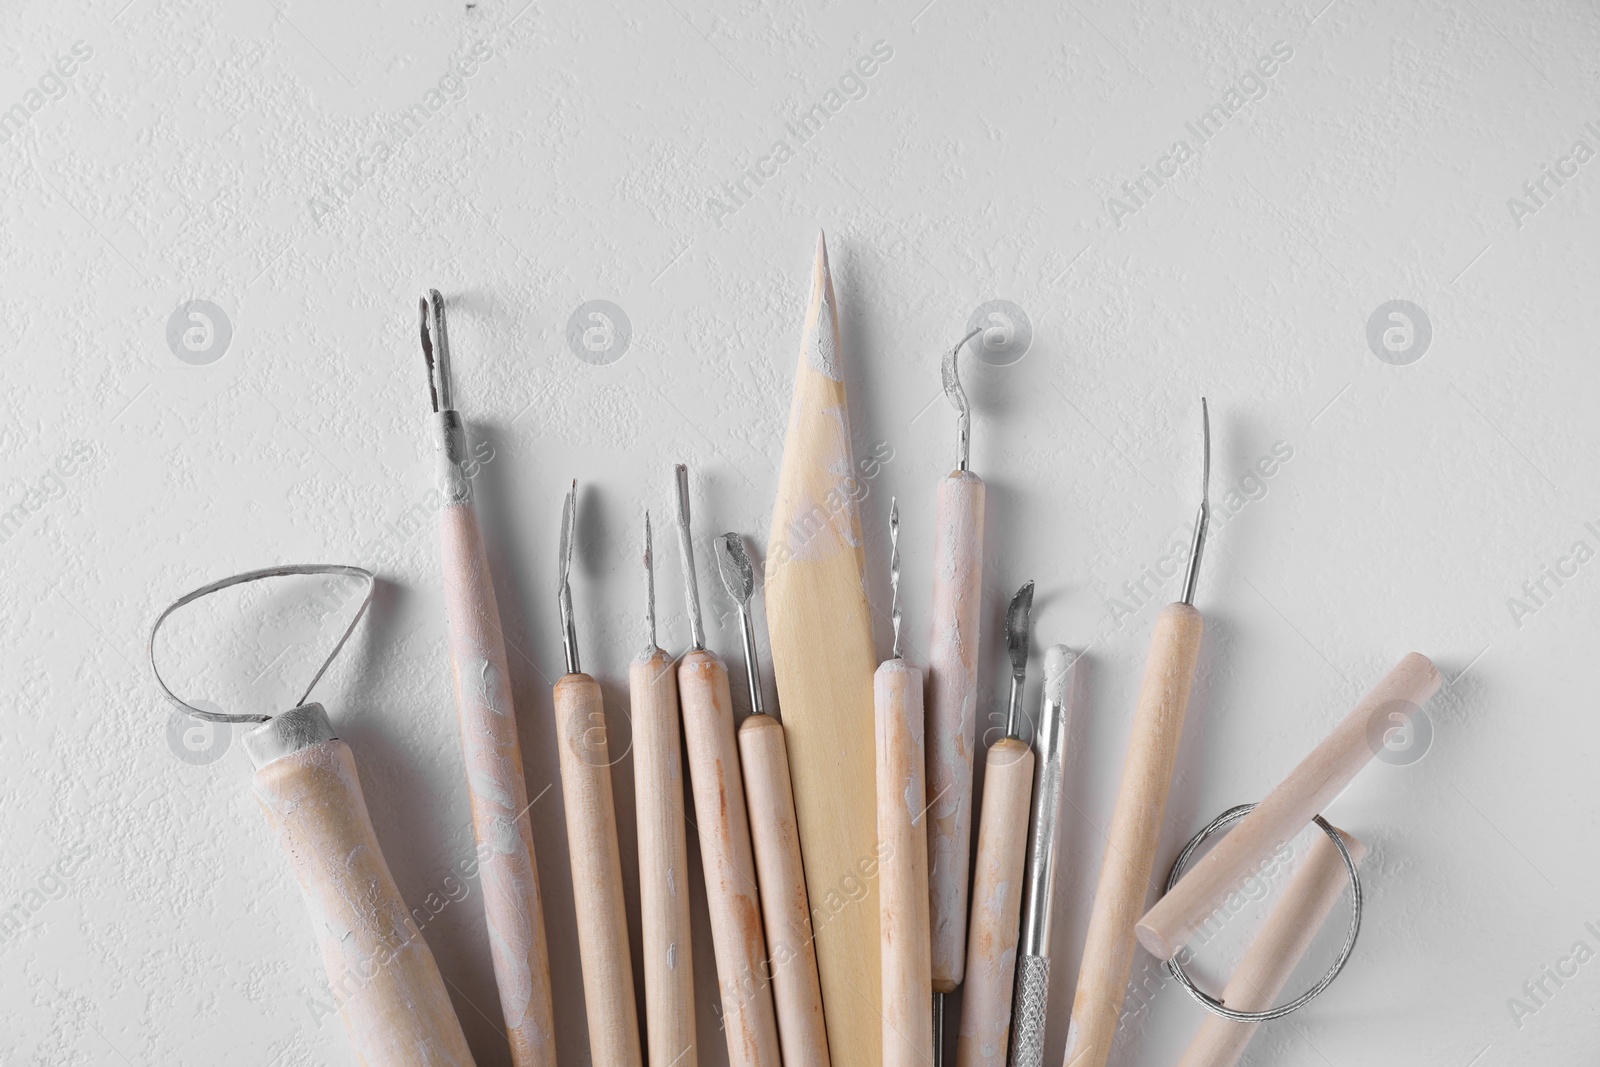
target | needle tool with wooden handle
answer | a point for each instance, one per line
(490, 748)
(732, 897)
(903, 929)
(390, 993)
(1141, 803)
(1271, 958)
(953, 697)
(592, 837)
(796, 990)
(820, 630)
(663, 849)
(1029, 1012)
(1310, 787)
(997, 878)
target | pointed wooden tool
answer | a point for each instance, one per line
(821, 634)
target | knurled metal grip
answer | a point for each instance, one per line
(1028, 1013)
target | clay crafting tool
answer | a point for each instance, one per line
(732, 897)
(820, 629)
(997, 879)
(1280, 945)
(490, 748)
(796, 990)
(1033, 952)
(903, 836)
(1141, 802)
(1313, 784)
(953, 696)
(592, 836)
(389, 991)
(663, 849)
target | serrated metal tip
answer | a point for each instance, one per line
(738, 576)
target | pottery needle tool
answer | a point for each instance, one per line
(390, 993)
(997, 877)
(785, 909)
(663, 846)
(1031, 1004)
(490, 747)
(820, 629)
(903, 928)
(953, 696)
(1310, 787)
(1271, 958)
(592, 847)
(1141, 802)
(732, 897)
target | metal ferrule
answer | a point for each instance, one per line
(450, 457)
(286, 734)
(1014, 713)
(569, 632)
(752, 666)
(1038, 886)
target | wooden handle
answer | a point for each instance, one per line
(596, 872)
(508, 875)
(663, 861)
(796, 989)
(1310, 787)
(952, 715)
(732, 898)
(903, 928)
(1135, 832)
(383, 976)
(1271, 958)
(996, 905)
(820, 629)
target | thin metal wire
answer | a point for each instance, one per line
(436, 349)
(957, 396)
(569, 529)
(894, 571)
(284, 571)
(1202, 521)
(1215, 1006)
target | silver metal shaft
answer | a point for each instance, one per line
(739, 579)
(691, 588)
(569, 529)
(894, 571)
(1202, 520)
(1018, 625)
(958, 397)
(649, 585)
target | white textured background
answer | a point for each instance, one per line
(197, 154)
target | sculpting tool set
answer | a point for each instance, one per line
(863, 791)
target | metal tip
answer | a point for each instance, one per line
(958, 397)
(1019, 624)
(894, 571)
(691, 586)
(738, 576)
(435, 348)
(649, 582)
(569, 530)
(1202, 521)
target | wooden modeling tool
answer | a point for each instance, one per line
(1141, 803)
(820, 629)
(391, 996)
(997, 879)
(592, 837)
(1031, 1005)
(732, 897)
(1309, 788)
(953, 698)
(1271, 958)
(490, 747)
(663, 848)
(796, 990)
(903, 836)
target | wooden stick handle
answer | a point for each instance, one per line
(1135, 833)
(663, 861)
(903, 929)
(952, 716)
(996, 905)
(1309, 788)
(796, 989)
(492, 752)
(1271, 958)
(596, 872)
(725, 853)
(382, 974)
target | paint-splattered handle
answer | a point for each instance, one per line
(903, 875)
(381, 974)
